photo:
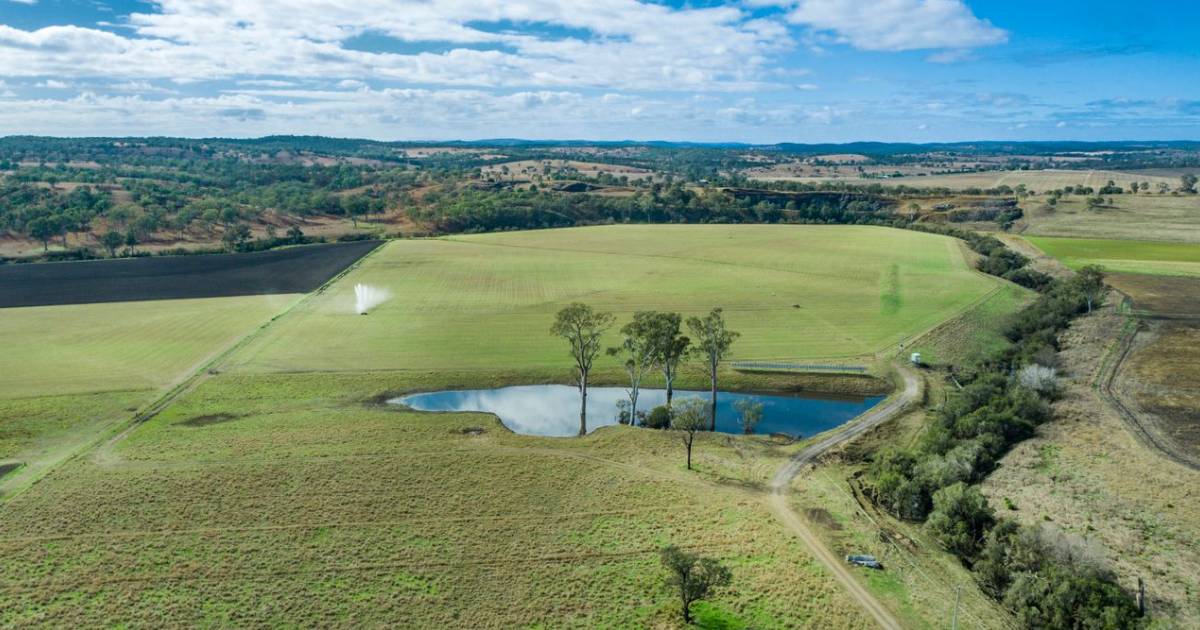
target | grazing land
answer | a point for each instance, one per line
(1041, 181)
(88, 348)
(1127, 256)
(73, 372)
(277, 488)
(296, 502)
(484, 302)
(288, 270)
(1133, 217)
(1034, 180)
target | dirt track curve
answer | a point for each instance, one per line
(779, 486)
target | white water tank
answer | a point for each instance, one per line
(915, 358)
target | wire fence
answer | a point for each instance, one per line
(799, 367)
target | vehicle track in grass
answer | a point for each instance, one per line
(778, 498)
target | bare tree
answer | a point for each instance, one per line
(712, 344)
(687, 418)
(693, 577)
(669, 346)
(637, 345)
(583, 328)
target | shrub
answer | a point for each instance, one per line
(960, 519)
(659, 417)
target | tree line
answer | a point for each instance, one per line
(652, 340)
(1001, 398)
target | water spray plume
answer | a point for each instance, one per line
(367, 297)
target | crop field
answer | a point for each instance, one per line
(1137, 257)
(485, 302)
(287, 270)
(1136, 217)
(284, 500)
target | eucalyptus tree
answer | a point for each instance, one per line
(583, 328)
(669, 345)
(713, 341)
(638, 349)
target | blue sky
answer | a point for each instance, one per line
(753, 70)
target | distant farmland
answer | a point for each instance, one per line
(1149, 257)
(1034, 180)
(289, 270)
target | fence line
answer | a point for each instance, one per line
(812, 367)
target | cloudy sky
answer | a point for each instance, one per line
(749, 70)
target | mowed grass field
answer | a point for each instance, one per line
(486, 302)
(1127, 256)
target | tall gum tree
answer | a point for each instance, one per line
(669, 346)
(638, 349)
(711, 343)
(583, 328)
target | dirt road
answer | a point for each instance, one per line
(778, 499)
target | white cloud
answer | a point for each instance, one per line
(614, 43)
(894, 25)
(53, 84)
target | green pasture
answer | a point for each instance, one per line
(73, 373)
(86, 348)
(485, 302)
(1146, 257)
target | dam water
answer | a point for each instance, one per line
(553, 410)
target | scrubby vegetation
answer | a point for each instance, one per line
(1000, 400)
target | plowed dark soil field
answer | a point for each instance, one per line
(290, 270)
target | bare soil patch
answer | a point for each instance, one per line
(1160, 296)
(822, 517)
(1162, 381)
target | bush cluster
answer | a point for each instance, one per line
(1002, 397)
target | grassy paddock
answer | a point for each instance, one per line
(73, 372)
(485, 302)
(1134, 217)
(1128, 256)
(87, 348)
(291, 499)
